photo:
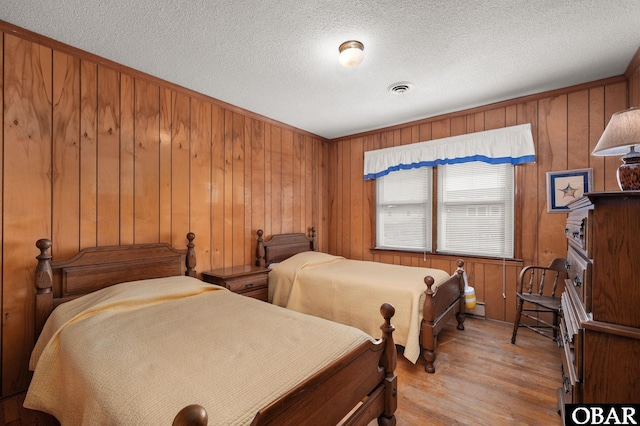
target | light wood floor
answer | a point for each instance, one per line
(480, 379)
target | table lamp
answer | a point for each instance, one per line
(622, 137)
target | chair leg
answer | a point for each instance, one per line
(516, 321)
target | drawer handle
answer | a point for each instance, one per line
(577, 281)
(248, 285)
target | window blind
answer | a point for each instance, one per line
(475, 209)
(404, 210)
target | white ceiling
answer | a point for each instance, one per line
(279, 59)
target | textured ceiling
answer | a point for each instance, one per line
(279, 59)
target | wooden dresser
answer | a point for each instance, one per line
(600, 322)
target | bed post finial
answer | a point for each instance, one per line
(43, 284)
(313, 238)
(190, 258)
(191, 415)
(260, 260)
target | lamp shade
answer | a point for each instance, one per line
(622, 132)
(351, 53)
(622, 137)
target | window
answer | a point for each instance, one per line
(404, 210)
(475, 209)
(474, 196)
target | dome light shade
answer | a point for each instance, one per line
(351, 53)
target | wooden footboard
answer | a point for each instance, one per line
(439, 307)
(359, 387)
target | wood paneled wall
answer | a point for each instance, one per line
(566, 125)
(94, 153)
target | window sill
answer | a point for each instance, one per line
(420, 254)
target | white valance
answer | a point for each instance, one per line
(506, 145)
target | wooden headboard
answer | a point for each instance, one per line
(282, 246)
(58, 281)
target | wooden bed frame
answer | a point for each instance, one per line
(357, 388)
(439, 306)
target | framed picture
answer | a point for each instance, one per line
(565, 187)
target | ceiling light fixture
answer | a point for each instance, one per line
(351, 53)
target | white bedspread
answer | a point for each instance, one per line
(136, 353)
(351, 292)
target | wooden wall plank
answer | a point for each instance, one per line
(88, 153)
(596, 127)
(458, 126)
(66, 155)
(258, 186)
(334, 194)
(2, 143)
(495, 118)
(127, 150)
(147, 169)
(164, 159)
(108, 157)
(357, 199)
(26, 196)
(217, 187)
(493, 274)
(578, 130)
(371, 142)
(199, 220)
(310, 180)
(179, 172)
(297, 185)
(248, 205)
(345, 184)
(287, 181)
(268, 203)
(237, 200)
(276, 181)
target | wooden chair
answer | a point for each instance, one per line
(536, 299)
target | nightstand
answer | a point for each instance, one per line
(248, 280)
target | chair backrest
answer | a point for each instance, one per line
(542, 280)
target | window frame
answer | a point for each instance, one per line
(519, 177)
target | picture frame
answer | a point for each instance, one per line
(566, 186)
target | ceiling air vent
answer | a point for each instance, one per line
(400, 87)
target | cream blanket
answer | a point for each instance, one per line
(351, 291)
(136, 353)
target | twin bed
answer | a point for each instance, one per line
(346, 291)
(135, 339)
